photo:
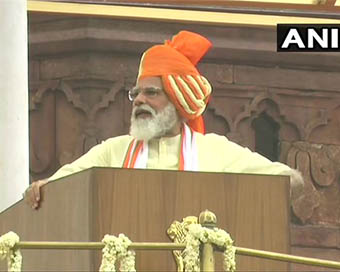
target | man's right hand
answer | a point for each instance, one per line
(32, 194)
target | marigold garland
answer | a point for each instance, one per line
(14, 258)
(116, 249)
(197, 235)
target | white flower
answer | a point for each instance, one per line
(128, 263)
(116, 249)
(197, 235)
(14, 258)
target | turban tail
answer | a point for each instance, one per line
(175, 62)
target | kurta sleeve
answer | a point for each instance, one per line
(109, 153)
(253, 163)
(238, 159)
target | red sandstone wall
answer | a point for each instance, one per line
(80, 69)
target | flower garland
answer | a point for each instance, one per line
(197, 235)
(116, 249)
(14, 258)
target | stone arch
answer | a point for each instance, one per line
(267, 141)
(265, 104)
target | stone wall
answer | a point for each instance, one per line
(81, 68)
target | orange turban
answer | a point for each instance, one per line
(175, 62)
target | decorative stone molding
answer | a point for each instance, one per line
(47, 149)
(319, 165)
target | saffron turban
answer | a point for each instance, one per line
(175, 62)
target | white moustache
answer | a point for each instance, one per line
(143, 108)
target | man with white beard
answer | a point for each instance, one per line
(167, 129)
(156, 125)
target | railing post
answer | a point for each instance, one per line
(207, 219)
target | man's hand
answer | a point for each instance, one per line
(32, 193)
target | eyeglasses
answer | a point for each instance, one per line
(147, 92)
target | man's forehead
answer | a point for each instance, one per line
(149, 82)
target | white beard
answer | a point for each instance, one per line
(157, 126)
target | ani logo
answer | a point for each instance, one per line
(308, 38)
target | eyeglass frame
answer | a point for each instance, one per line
(149, 92)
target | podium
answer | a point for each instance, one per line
(142, 204)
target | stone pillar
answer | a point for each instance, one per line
(14, 166)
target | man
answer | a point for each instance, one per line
(167, 128)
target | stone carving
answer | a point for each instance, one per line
(323, 169)
(319, 165)
(106, 99)
(215, 121)
(45, 106)
(42, 147)
(240, 124)
(57, 85)
(269, 103)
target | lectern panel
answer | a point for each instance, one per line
(142, 204)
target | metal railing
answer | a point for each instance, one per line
(172, 246)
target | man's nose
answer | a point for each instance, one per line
(140, 99)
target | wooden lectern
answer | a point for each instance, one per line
(142, 204)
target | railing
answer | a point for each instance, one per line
(172, 246)
(207, 262)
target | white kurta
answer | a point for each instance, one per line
(215, 154)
